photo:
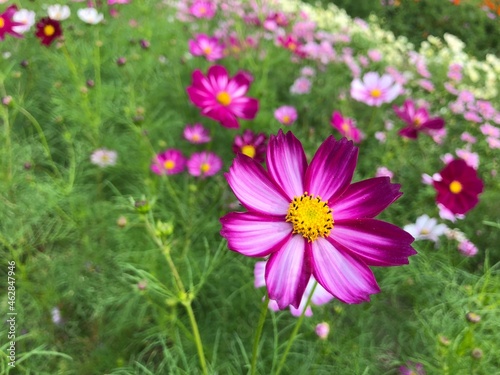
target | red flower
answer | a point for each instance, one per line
(47, 30)
(7, 24)
(459, 187)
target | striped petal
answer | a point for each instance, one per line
(252, 186)
(342, 275)
(254, 235)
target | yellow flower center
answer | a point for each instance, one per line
(169, 165)
(376, 93)
(49, 30)
(310, 217)
(455, 187)
(424, 231)
(195, 137)
(292, 46)
(248, 150)
(286, 119)
(2, 23)
(207, 50)
(205, 167)
(223, 98)
(345, 127)
(417, 121)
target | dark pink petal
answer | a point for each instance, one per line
(375, 242)
(435, 123)
(341, 274)
(286, 163)
(218, 77)
(409, 132)
(365, 199)
(254, 189)
(254, 235)
(331, 168)
(286, 273)
(242, 79)
(244, 107)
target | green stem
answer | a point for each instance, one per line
(197, 337)
(258, 333)
(295, 331)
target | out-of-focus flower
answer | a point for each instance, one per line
(286, 114)
(103, 157)
(346, 127)
(467, 248)
(292, 44)
(197, 134)
(459, 187)
(203, 9)
(204, 164)
(374, 90)
(204, 45)
(26, 18)
(58, 12)
(322, 330)
(169, 162)
(493, 143)
(384, 172)
(446, 214)
(90, 15)
(221, 97)
(8, 24)
(381, 137)
(417, 120)
(251, 144)
(319, 297)
(302, 85)
(113, 2)
(412, 368)
(56, 316)
(426, 228)
(311, 221)
(490, 130)
(47, 30)
(467, 137)
(471, 158)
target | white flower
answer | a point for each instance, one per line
(426, 228)
(103, 158)
(90, 15)
(58, 12)
(26, 17)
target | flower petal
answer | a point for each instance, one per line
(331, 168)
(376, 242)
(286, 273)
(342, 275)
(365, 199)
(255, 190)
(253, 234)
(286, 163)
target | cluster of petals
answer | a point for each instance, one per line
(426, 228)
(374, 90)
(58, 12)
(169, 162)
(196, 134)
(417, 120)
(24, 17)
(203, 9)
(207, 46)
(103, 157)
(251, 144)
(339, 260)
(286, 115)
(458, 187)
(204, 164)
(319, 295)
(8, 24)
(221, 97)
(90, 15)
(346, 127)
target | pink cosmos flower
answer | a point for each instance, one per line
(346, 127)
(221, 97)
(169, 162)
(471, 158)
(302, 85)
(204, 45)
(204, 164)
(426, 228)
(412, 369)
(374, 90)
(467, 137)
(7, 23)
(417, 119)
(251, 144)
(459, 187)
(197, 134)
(203, 9)
(319, 297)
(493, 143)
(384, 172)
(286, 114)
(311, 221)
(490, 130)
(322, 330)
(291, 43)
(103, 157)
(467, 248)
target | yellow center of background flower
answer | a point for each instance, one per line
(455, 187)
(49, 30)
(376, 93)
(417, 121)
(2, 22)
(223, 98)
(169, 164)
(207, 50)
(205, 167)
(345, 127)
(248, 150)
(286, 119)
(292, 46)
(311, 217)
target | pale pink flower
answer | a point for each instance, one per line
(374, 90)
(286, 115)
(446, 214)
(426, 228)
(103, 157)
(471, 158)
(203, 9)
(375, 55)
(426, 85)
(307, 71)
(24, 17)
(384, 172)
(467, 137)
(450, 88)
(490, 130)
(494, 143)
(209, 47)
(204, 164)
(58, 12)
(302, 85)
(381, 137)
(196, 134)
(455, 72)
(472, 116)
(467, 248)
(322, 330)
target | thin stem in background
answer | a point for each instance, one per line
(258, 333)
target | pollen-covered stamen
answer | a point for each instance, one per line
(310, 217)
(455, 187)
(376, 93)
(223, 98)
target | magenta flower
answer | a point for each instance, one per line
(7, 23)
(204, 45)
(203, 9)
(417, 119)
(374, 90)
(286, 114)
(197, 134)
(169, 162)
(204, 164)
(458, 187)
(311, 221)
(346, 127)
(221, 97)
(251, 144)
